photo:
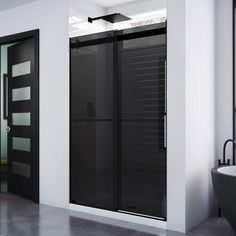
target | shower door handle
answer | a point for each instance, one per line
(165, 131)
(8, 129)
(165, 116)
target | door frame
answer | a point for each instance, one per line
(13, 39)
(143, 31)
(234, 76)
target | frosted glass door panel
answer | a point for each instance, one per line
(21, 94)
(21, 119)
(21, 69)
(21, 169)
(21, 144)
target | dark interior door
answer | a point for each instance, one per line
(23, 135)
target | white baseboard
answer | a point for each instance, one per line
(120, 219)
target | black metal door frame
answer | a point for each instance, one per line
(234, 74)
(116, 39)
(18, 38)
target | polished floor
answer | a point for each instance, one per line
(19, 217)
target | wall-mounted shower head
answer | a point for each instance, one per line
(112, 18)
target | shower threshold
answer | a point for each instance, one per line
(143, 215)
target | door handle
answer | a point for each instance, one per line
(165, 86)
(165, 116)
(165, 131)
(8, 129)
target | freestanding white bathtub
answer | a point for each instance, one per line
(224, 182)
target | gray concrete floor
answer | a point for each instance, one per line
(19, 217)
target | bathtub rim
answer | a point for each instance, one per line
(215, 170)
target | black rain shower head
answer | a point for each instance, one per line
(112, 18)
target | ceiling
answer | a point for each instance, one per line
(111, 3)
(6, 4)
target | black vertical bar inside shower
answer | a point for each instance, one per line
(115, 121)
(116, 39)
(234, 77)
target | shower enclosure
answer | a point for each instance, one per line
(118, 121)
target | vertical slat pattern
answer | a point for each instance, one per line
(143, 156)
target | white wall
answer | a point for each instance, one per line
(200, 109)
(54, 90)
(176, 115)
(224, 75)
(142, 13)
(138, 7)
(84, 9)
(6, 4)
(191, 111)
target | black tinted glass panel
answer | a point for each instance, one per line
(92, 82)
(118, 111)
(91, 166)
(143, 155)
(92, 126)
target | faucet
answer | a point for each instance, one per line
(220, 163)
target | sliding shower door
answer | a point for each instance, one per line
(92, 121)
(118, 114)
(142, 59)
